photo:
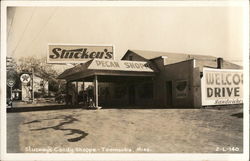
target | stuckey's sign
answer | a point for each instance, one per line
(78, 53)
(222, 86)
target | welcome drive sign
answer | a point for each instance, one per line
(222, 86)
(65, 53)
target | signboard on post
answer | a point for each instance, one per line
(11, 82)
(222, 86)
(78, 53)
(11, 79)
(25, 78)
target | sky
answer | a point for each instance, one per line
(215, 31)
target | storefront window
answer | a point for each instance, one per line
(120, 91)
(146, 90)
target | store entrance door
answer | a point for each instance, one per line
(131, 92)
(169, 93)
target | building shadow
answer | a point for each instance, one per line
(42, 108)
(238, 115)
(142, 107)
(64, 107)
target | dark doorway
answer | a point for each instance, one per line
(131, 92)
(169, 94)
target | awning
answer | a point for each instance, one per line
(109, 68)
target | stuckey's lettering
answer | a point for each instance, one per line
(56, 53)
(80, 53)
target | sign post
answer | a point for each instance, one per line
(25, 79)
(10, 93)
(96, 90)
(33, 85)
(11, 82)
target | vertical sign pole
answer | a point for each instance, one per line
(96, 90)
(33, 85)
(83, 89)
(10, 93)
(67, 93)
(77, 101)
(83, 85)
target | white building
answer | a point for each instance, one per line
(41, 88)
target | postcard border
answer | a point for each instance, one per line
(124, 156)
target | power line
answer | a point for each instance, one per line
(205, 59)
(11, 22)
(234, 59)
(27, 24)
(47, 22)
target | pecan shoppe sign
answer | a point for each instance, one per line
(78, 53)
(120, 65)
(222, 86)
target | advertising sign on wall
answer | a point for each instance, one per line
(222, 86)
(181, 88)
(78, 53)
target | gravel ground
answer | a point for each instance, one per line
(127, 130)
(13, 123)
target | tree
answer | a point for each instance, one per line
(41, 68)
(11, 68)
(10, 64)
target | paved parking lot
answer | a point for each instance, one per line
(126, 130)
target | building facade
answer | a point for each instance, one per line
(147, 78)
(40, 87)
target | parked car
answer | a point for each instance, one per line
(9, 102)
(60, 98)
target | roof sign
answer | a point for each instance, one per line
(120, 65)
(78, 53)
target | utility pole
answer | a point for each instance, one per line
(96, 90)
(33, 85)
